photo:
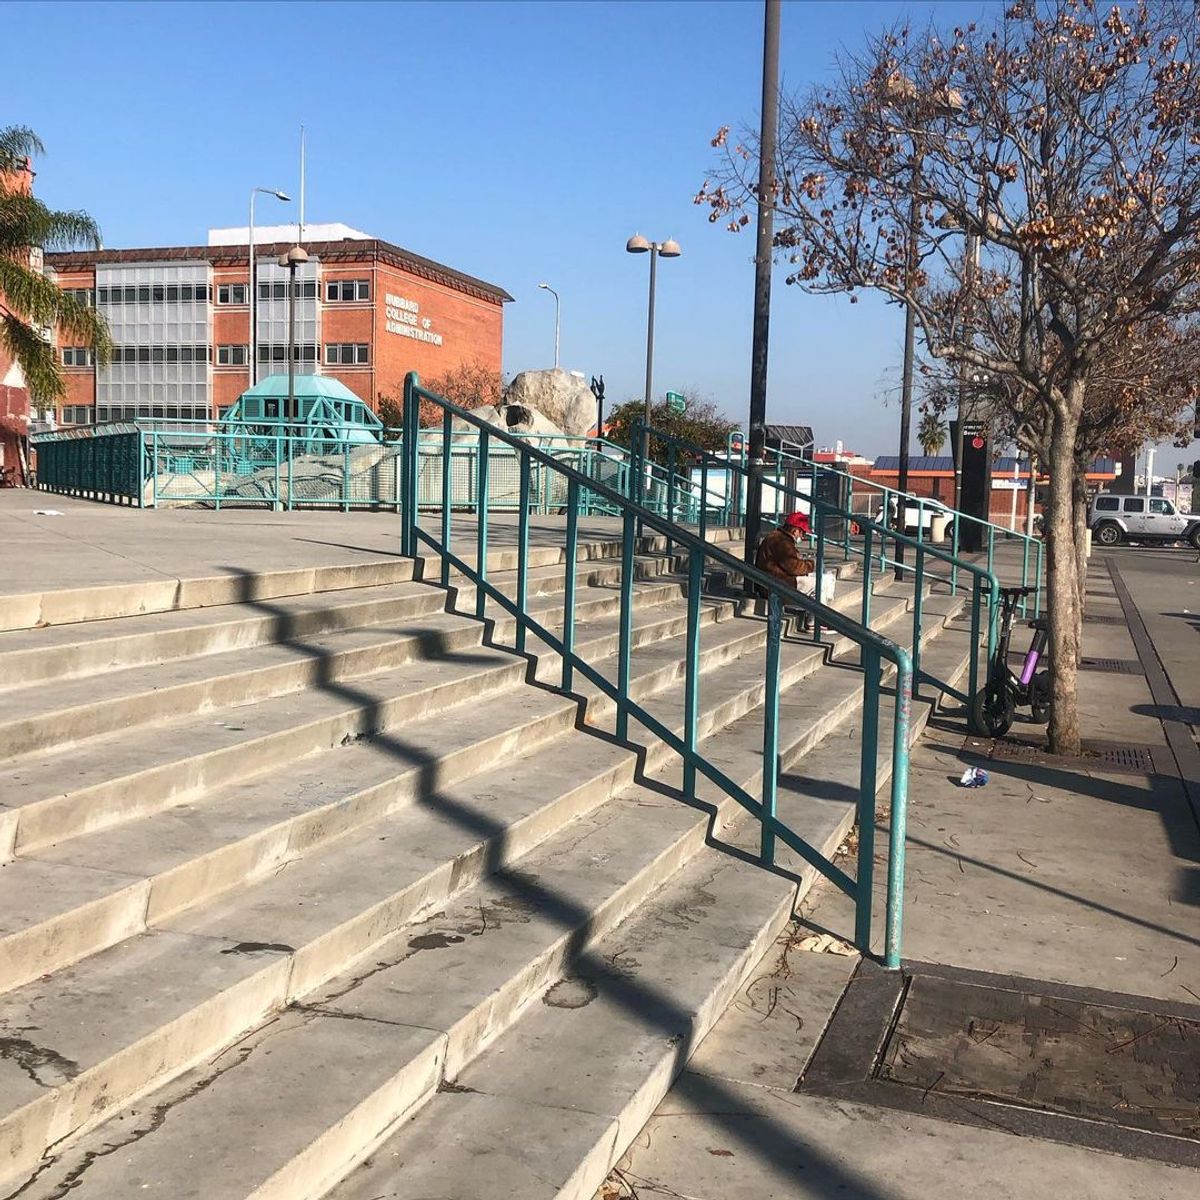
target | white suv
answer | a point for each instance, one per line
(1117, 519)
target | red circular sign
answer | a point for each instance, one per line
(977, 443)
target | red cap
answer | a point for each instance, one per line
(797, 521)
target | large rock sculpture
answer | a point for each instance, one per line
(562, 398)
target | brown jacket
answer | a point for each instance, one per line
(777, 555)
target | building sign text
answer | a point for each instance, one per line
(404, 318)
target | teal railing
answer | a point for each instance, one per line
(877, 501)
(833, 525)
(438, 536)
(148, 463)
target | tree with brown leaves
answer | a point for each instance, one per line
(1032, 192)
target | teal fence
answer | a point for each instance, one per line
(784, 472)
(72, 462)
(151, 464)
(877, 545)
(701, 556)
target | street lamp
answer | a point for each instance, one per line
(548, 288)
(251, 291)
(668, 249)
(291, 260)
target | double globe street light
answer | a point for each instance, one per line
(668, 249)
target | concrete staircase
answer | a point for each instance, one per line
(311, 887)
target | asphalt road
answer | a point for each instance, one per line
(1165, 586)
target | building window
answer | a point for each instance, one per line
(340, 291)
(172, 293)
(78, 356)
(160, 354)
(131, 412)
(84, 296)
(75, 414)
(278, 354)
(348, 354)
(231, 293)
(306, 289)
(232, 356)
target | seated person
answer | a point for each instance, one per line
(778, 555)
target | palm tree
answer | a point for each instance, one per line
(31, 305)
(931, 433)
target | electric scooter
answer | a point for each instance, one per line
(996, 703)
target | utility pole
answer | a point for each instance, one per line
(767, 142)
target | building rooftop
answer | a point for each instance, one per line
(1005, 465)
(351, 249)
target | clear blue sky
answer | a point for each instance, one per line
(515, 141)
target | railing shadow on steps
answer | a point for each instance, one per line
(831, 527)
(769, 1141)
(875, 649)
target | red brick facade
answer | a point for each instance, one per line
(419, 316)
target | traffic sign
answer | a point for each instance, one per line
(676, 403)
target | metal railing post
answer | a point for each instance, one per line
(899, 815)
(770, 777)
(866, 596)
(572, 553)
(522, 550)
(918, 604)
(691, 651)
(408, 464)
(483, 501)
(446, 497)
(628, 534)
(973, 662)
(868, 774)
(817, 523)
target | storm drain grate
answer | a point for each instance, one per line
(1112, 756)
(1132, 758)
(1115, 666)
(1102, 619)
(1033, 1058)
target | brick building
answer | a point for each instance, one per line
(367, 312)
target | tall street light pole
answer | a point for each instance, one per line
(548, 288)
(251, 290)
(768, 139)
(910, 338)
(292, 259)
(668, 249)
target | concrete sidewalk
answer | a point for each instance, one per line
(92, 543)
(1068, 873)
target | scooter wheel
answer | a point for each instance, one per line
(991, 714)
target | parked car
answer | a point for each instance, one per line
(915, 514)
(1116, 519)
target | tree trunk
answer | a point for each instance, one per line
(1062, 579)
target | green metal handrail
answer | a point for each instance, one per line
(875, 649)
(1032, 549)
(875, 538)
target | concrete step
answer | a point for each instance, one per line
(333, 906)
(87, 648)
(639, 997)
(78, 896)
(141, 770)
(71, 710)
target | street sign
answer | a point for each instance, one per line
(676, 403)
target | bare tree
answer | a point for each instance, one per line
(1032, 190)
